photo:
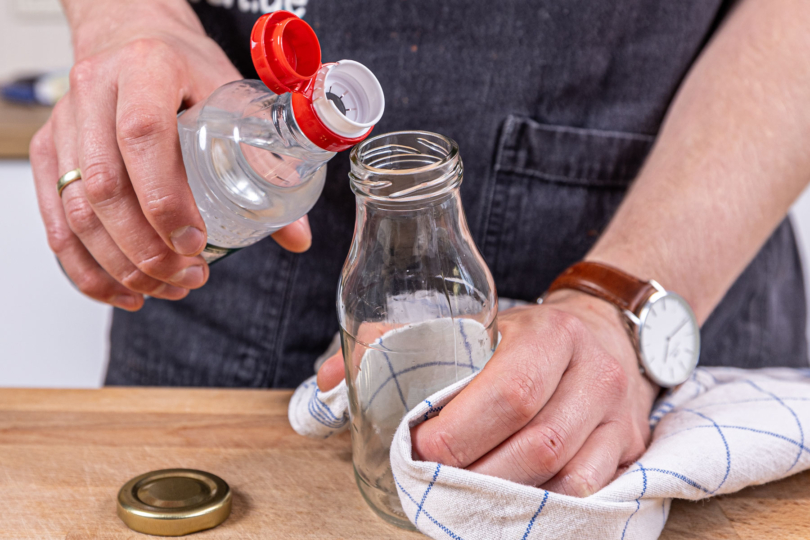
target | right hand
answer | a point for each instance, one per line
(131, 227)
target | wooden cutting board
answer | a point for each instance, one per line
(65, 453)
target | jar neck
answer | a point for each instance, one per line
(442, 211)
(408, 238)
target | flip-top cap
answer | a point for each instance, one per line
(285, 52)
(335, 105)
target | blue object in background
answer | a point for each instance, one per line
(44, 89)
(20, 91)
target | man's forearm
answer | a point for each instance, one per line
(732, 156)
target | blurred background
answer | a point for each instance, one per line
(51, 335)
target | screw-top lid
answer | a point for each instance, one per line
(335, 105)
(174, 502)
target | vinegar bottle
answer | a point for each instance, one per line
(255, 152)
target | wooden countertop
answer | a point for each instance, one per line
(18, 123)
(64, 454)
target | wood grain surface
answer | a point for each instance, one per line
(18, 123)
(65, 453)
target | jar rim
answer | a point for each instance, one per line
(405, 166)
(358, 152)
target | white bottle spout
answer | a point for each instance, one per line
(347, 98)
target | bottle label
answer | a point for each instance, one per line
(212, 253)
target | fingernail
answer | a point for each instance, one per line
(124, 301)
(580, 486)
(189, 278)
(188, 240)
(165, 290)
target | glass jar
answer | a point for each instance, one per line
(416, 302)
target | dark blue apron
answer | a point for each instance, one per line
(554, 104)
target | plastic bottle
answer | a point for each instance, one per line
(255, 152)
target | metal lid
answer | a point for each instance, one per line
(174, 502)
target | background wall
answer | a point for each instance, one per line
(33, 37)
(50, 335)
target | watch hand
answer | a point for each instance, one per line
(686, 320)
(666, 350)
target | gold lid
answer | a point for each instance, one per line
(174, 502)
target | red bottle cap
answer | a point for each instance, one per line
(285, 51)
(335, 105)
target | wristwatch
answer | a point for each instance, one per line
(662, 326)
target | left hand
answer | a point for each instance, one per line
(561, 404)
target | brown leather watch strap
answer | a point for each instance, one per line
(605, 282)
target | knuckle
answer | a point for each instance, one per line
(59, 237)
(137, 280)
(166, 205)
(60, 110)
(79, 215)
(89, 284)
(519, 396)
(101, 182)
(154, 264)
(40, 143)
(542, 451)
(140, 124)
(567, 323)
(83, 73)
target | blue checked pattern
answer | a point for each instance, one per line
(710, 436)
(322, 414)
(389, 380)
(420, 371)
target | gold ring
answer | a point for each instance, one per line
(66, 179)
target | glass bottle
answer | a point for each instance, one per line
(416, 302)
(255, 151)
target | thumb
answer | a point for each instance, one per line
(295, 237)
(331, 372)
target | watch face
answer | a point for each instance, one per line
(669, 339)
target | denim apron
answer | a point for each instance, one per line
(555, 105)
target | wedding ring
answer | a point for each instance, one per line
(66, 179)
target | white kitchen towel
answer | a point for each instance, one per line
(319, 414)
(403, 366)
(719, 432)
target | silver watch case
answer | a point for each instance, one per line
(638, 321)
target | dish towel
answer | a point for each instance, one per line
(719, 432)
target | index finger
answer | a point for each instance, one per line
(148, 100)
(511, 389)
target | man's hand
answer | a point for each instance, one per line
(562, 403)
(130, 227)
